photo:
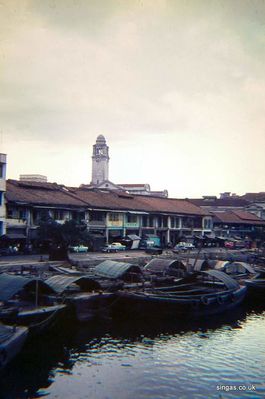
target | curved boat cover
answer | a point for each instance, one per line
(5, 333)
(244, 267)
(234, 267)
(60, 283)
(11, 285)
(221, 264)
(201, 264)
(228, 281)
(113, 270)
(160, 265)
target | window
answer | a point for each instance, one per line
(164, 221)
(1, 170)
(1, 198)
(97, 215)
(9, 213)
(22, 214)
(207, 223)
(114, 217)
(187, 222)
(58, 214)
(131, 218)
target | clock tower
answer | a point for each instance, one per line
(100, 161)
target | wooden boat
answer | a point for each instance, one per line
(201, 294)
(256, 285)
(11, 341)
(237, 270)
(24, 302)
(83, 295)
(160, 267)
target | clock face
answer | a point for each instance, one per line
(101, 151)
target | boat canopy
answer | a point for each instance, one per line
(113, 270)
(228, 281)
(11, 285)
(239, 267)
(234, 267)
(221, 264)
(199, 264)
(157, 265)
(60, 283)
(5, 333)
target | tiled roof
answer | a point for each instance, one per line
(244, 215)
(52, 194)
(41, 194)
(123, 201)
(220, 202)
(254, 197)
(134, 185)
(237, 217)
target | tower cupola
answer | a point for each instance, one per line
(100, 161)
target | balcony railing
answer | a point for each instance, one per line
(97, 223)
(16, 222)
(136, 224)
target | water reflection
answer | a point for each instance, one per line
(126, 360)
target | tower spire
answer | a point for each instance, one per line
(100, 161)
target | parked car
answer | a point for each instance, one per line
(114, 247)
(78, 249)
(235, 244)
(183, 246)
(11, 250)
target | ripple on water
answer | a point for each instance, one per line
(176, 364)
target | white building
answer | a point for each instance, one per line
(2, 194)
(100, 161)
(34, 178)
(100, 173)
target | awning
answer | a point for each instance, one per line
(133, 237)
(138, 213)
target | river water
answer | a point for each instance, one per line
(220, 358)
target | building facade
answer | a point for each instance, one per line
(2, 194)
(235, 216)
(109, 214)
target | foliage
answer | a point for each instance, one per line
(69, 233)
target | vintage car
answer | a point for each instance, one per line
(183, 246)
(114, 247)
(78, 249)
(236, 244)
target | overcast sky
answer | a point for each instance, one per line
(177, 88)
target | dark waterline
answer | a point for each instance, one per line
(139, 361)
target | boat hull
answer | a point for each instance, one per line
(256, 289)
(154, 306)
(10, 347)
(92, 306)
(37, 320)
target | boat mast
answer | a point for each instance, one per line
(36, 296)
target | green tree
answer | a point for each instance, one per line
(69, 233)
